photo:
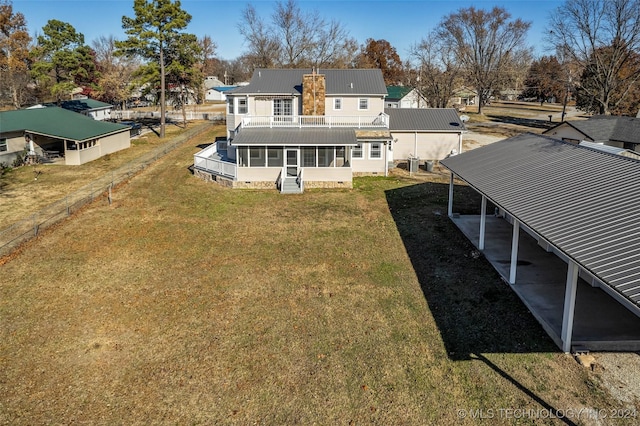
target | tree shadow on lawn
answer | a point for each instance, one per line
(474, 310)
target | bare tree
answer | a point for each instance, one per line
(263, 47)
(437, 70)
(116, 72)
(603, 37)
(295, 38)
(486, 43)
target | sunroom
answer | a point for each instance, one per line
(291, 159)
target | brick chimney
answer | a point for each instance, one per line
(313, 94)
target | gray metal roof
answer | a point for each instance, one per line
(583, 201)
(607, 128)
(424, 119)
(338, 82)
(293, 136)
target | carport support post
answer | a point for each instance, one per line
(450, 207)
(569, 305)
(514, 251)
(483, 219)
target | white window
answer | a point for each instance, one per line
(282, 107)
(363, 104)
(3, 145)
(375, 150)
(231, 105)
(357, 151)
(337, 104)
(242, 105)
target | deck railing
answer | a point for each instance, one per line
(209, 160)
(327, 121)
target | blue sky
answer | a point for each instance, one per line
(401, 23)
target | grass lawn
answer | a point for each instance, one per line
(187, 303)
(22, 195)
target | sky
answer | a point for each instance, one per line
(402, 23)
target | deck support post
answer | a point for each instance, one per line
(569, 305)
(515, 237)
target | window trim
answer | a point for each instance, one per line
(353, 151)
(4, 143)
(379, 144)
(360, 101)
(246, 106)
(337, 104)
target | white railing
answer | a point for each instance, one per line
(359, 121)
(300, 181)
(208, 160)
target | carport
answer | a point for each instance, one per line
(564, 234)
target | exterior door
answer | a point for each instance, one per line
(292, 162)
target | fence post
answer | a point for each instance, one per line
(66, 201)
(35, 225)
(110, 186)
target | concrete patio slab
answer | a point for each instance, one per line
(600, 322)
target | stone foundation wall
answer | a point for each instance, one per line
(208, 177)
(327, 185)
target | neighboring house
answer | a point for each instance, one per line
(562, 212)
(212, 81)
(616, 131)
(430, 134)
(57, 132)
(404, 97)
(293, 128)
(464, 96)
(218, 93)
(90, 107)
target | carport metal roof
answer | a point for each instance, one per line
(584, 202)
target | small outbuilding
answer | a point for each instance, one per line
(54, 132)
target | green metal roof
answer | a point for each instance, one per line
(397, 92)
(58, 123)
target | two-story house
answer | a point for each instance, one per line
(297, 128)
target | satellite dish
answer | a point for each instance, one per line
(464, 118)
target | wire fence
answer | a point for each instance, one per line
(30, 227)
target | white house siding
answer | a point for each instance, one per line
(430, 146)
(564, 132)
(368, 165)
(100, 115)
(258, 174)
(350, 106)
(214, 95)
(328, 174)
